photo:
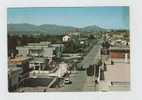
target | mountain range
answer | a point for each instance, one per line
(50, 29)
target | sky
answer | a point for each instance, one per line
(116, 17)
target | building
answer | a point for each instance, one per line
(58, 49)
(118, 76)
(118, 69)
(66, 38)
(38, 64)
(48, 78)
(122, 53)
(22, 51)
(42, 49)
(22, 62)
(14, 73)
(116, 58)
(75, 33)
(33, 49)
(18, 70)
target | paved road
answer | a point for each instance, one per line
(80, 79)
(91, 57)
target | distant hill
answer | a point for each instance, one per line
(93, 28)
(55, 29)
(21, 27)
(49, 29)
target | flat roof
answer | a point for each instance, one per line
(119, 72)
(18, 60)
(56, 44)
(119, 48)
(13, 67)
(42, 43)
(38, 60)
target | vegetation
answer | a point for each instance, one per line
(16, 40)
(72, 47)
(49, 29)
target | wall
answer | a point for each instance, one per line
(119, 54)
(22, 51)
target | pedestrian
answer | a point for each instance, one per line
(105, 67)
(112, 62)
(44, 90)
(96, 81)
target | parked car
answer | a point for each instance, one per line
(69, 72)
(67, 81)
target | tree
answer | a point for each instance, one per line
(90, 70)
(91, 36)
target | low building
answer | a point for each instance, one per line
(22, 51)
(33, 49)
(58, 49)
(22, 62)
(42, 49)
(16, 64)
(75, 33)
(120, 53)
(14, 73)
(66, 38)
(38, 64)
(118, 68)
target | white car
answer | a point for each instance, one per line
(69, 72)
(67, 81)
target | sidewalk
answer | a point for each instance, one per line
(89, 84)
(103, 86)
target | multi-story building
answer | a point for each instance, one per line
(18, 70)
(14, 73)
(42, 49)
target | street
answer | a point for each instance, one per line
(91, 57)
(79, 79)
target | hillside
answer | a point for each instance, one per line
(49, 29)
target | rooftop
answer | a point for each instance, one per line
(18, 60)
(119, 72)
(120, 48)
(13, 68)
(45, 43)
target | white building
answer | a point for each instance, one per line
(42, 49)
(38, 63)
(33, 49)
(66, 38)
(22, 51)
